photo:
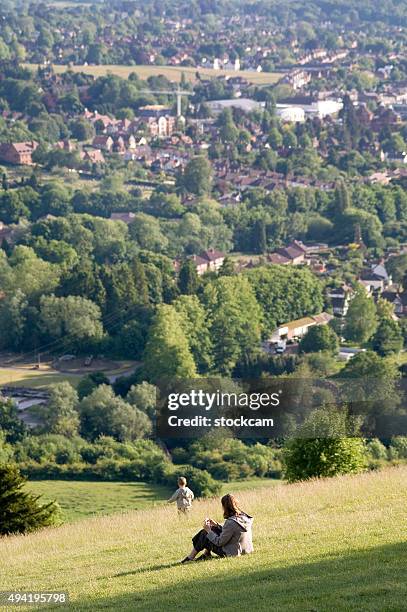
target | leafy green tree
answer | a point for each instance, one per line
(285, 293)
(74, 319)
(235, 318)
(60, 414)
(324, 450)
(384, 309)
(90, 382)
(188, 280)
(275, 139)
(259, 237)
(11, 425)
(371, 384)
(147, 232)
(83, 279)
(104, 414)
(29, 273)
(397, 267)
(13, 318)
(21, 512)
(12, 208)
(319, 338)
(197, 178)
(388, 338)
(228, 131)
(227, 268)
(55, 200)
(144, 397)
(360, 321)
(140, 281)
(82, 130)
(341, 198)
(196, 328)
(167, 354)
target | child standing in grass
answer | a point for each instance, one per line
(183, 496)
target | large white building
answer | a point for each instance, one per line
(294, 114)
(313, 108)
(244, 104)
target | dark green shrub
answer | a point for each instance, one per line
(323, 457)
(398, 447)
(376, 450)
(330, 454)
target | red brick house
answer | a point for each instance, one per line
(18, 153)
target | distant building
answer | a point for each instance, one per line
(293, 114)
(18, 153)
(95, 156)
(312, 107)
(293, 254)
(161, 127)
(397, 298)
(340, 298)
(103, 142)
(295, 330)
(375, 279)
(245, 104)
(153, 110)
(207, 261)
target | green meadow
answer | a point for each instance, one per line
(324, 545)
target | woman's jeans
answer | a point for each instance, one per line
(202, 542)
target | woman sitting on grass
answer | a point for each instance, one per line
(232, 539)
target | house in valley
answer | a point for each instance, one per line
(294, 254)
(295, 330)
(18, 153)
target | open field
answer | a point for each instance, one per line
(173, 73)
(16, 370)
(82, 499)
(38, 379)
(336, 544)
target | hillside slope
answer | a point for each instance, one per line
(337, 544)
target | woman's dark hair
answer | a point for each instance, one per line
(230, 506)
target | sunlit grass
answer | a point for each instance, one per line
(336, 544)
(82, 499)
(173, 73)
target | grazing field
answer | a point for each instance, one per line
(336, 544)
(173, 73)
(82, 499)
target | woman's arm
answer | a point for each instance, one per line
(224, 537)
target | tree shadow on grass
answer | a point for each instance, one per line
(370, 581)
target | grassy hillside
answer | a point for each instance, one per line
(338, 544)
(173, 73)
(82, 499)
